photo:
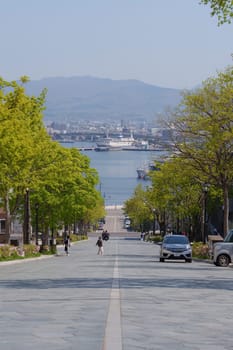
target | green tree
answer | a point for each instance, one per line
(177, 195)
(172, 199)
(223, 9)
(138, 210)
(67, 192)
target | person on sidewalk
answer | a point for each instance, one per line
(100, 246)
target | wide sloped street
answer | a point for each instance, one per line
(125, 299)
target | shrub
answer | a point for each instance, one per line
(59, 240)
(31, 250)
(200, 250)
(76, 238)
(73, 238)
(4, 252)
(45, 249)
(154, 238)
(8, 252)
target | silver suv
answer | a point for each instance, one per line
(223, 251)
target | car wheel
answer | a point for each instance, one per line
(188, 260)
(161, 259)
(223, 260)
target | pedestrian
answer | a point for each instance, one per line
(67, 244)
(99, 244)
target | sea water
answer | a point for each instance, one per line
(117, 171)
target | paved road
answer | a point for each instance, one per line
(124, 300)
(115, 220)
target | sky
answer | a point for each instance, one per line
(167, 43)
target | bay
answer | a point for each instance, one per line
(117, 171)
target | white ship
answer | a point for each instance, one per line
(116, 143)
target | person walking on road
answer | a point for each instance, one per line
(100, 246)
(67, 245)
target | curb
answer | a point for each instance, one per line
(19, 261)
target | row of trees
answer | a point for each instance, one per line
(61, 183)
(202, 133)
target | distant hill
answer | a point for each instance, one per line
(76, 98)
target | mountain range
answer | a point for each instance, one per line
(79, 98)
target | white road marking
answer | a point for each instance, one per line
(113, 333)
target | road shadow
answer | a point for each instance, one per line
(125, 283)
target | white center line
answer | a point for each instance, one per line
(113, 335)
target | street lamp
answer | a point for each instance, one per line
(37, 224)
(154, 216)
(205, 189)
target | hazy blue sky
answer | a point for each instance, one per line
(169, 43)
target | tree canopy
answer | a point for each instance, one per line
(223, 9)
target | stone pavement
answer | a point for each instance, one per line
(124, 300)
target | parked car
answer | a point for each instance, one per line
(127, 223)
(223, 251)
(100, 226)
(175, 247)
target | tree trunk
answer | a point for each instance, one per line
(177, 224)
(45, 240)
(162, 227)
(27, 219)
(8, 217)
